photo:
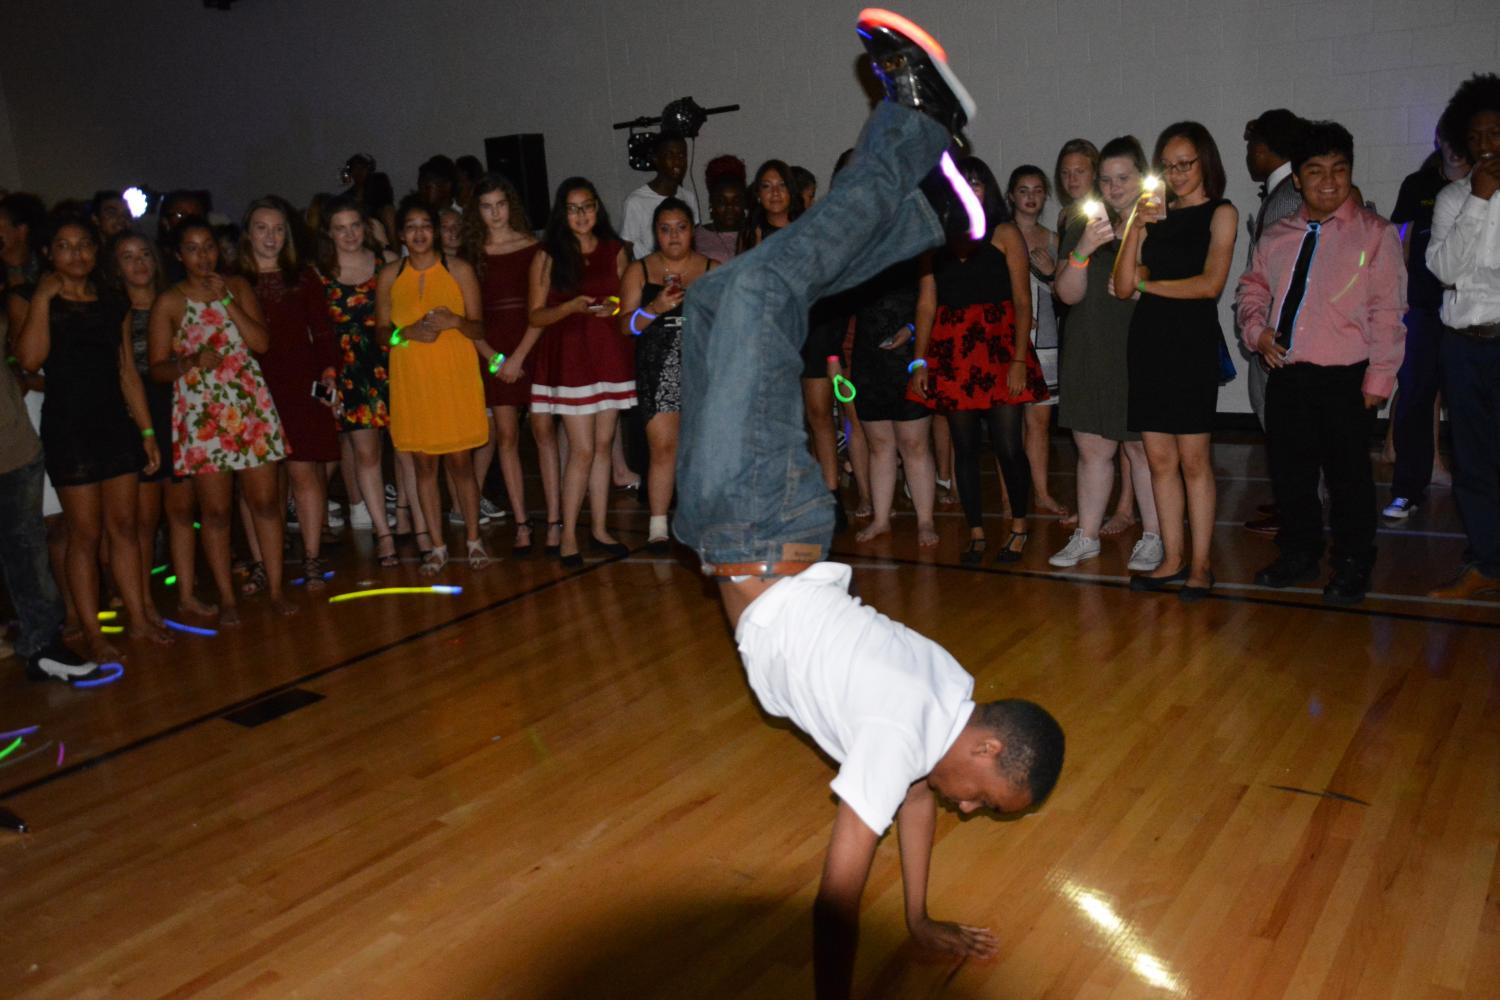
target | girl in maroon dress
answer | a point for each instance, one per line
(584, 370)
(498, 242)
(299, 367)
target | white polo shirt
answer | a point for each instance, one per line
(884, 701)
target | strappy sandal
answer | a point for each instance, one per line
(1010, 555)
(517, 549)
(420, 547)
(255, 580)
(408, 532)
(433, 560)
(549, 548)
(312, 573)
(973, 553)
(478, 557)
(388, 558)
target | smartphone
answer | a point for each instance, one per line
(323, 393)
(673, 281)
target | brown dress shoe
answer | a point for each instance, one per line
(1469, 584)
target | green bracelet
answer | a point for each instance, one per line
(148, 432)
(1140, 286)
(228, 298)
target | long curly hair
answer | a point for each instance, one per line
(475, 232)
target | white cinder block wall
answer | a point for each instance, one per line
(272, 95)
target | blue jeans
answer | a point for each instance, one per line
(747, 484)
(1417, 382)
(1471, 388)
(23, 559)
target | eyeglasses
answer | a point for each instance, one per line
(1180, 167)
(582, 208)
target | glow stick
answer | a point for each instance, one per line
(108, 616)
(966, 196)
(158, 570)
(496, 362)
(357, 594)
(396, 339)
(111, 629)
(10, 749)
(841, 385)
(62, 749)
(119, 671)
(189, 629)
(19, 732)
(169, 581)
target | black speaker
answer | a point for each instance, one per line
(522, 159)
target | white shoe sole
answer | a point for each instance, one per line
(919, 37)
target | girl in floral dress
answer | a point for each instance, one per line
(349, 268)
(224, 424)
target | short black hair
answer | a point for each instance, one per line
(25, 209)
(1323, 139)
(1281, 130)
(101, 196)
(1480, 92)
(469, 166)
(439, 167)
(996, 208)
(1034, 744)
(665, 138)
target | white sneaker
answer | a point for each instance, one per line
(1147, 554)
(489, 512)
(1076, 551)
(390, 494)
(1399, 509)
(335, 516)
(456, 516)
(359, 517)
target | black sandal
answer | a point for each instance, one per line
(973, 554)
(399, 535)
(428, 548)
(522, 550)
(388, 559)
(553, 550)
(1010, 555)
(255, 580)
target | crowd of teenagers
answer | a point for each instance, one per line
(206, 371)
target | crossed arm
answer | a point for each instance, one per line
(845, 871)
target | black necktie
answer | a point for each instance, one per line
(1298, 287)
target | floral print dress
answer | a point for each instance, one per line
(363, 381)
(223, 420)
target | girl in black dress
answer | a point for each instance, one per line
(651, 294)
(1176, 258)
(96, 429)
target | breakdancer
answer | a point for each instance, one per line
(893, 707)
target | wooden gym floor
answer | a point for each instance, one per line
(557, 785)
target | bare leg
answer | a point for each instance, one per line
(661, 435)
(1166, 487)
(215, 492)
(428, 500)
(1124, 515)
(481, 457)
(460, 466)
(1133, 457)
(913, 439)
(942, 454)
(859, 459)
(309, 493)
(83, 511)
(348, 466)
(1096, 480)
(544, 432)
(620, 469)
(180, 500)
(1196, 453)
(261, 489)
(148, 501)
(606, 423)
(120, 495)
(1038, 441)
(576, 476)
(881, 435)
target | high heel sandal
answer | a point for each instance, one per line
(388, 559)
(478, 557)
(434, 559)
(424, 549)
(1010, 555)
(516, 548)
(312, 573)
(549, 548)
(973, 553)
(408, 532)
(255, 580)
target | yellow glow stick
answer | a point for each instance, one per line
(381, 591)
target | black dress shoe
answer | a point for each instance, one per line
(573, 561)
(1143, 584)
(1348, 584)
(659, 546)
(1288, 571)
(973, 553)
(913, 68)
(609, 548)
(1190, 594)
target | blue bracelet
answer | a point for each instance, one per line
(915, 364)
(650, 318)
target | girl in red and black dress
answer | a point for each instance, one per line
(974, 335)
(497, 240)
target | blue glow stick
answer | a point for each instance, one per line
(189, 629)
(19, 732)
(108, 678)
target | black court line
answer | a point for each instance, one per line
(1032, 574)
(1325, 794)
(344, 664)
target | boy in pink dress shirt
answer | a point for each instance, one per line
(1321, 304)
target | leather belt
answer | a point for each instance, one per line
(760, 569)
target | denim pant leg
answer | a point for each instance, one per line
(1471, 387)
(747, 484)
(23, 559)
(1417, 383)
